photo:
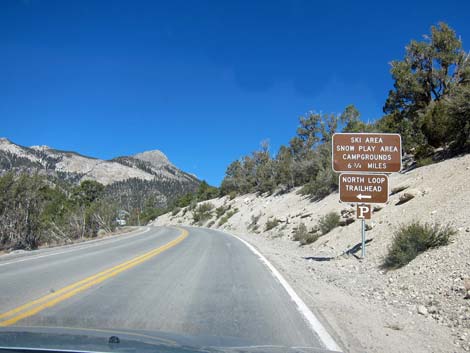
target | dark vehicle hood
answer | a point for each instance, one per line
(130, 341)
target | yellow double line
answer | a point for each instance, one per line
(33, 307)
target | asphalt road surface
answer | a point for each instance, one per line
(187, 281)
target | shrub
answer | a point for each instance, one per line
(424, 161)
(412, 239)
(300, 232)
(423, 155)
(232, 212)
(225, 218)
(202, 213)
(302, 235)
(254, 221)
(270, 224)
(192, 206)
(328, 222)
(175, 211)
(222, 221)
(219, 211)
(277, 235)
(309, 238)
(232, 195)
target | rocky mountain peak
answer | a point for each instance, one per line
(155, 157)
(40, 148)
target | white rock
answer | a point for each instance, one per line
(422, 310)
(399, 188)
(408, 195)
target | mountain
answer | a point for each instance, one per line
(155, 163)
(131, 180)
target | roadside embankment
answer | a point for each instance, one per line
(420, 307)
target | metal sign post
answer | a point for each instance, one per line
(363, 250)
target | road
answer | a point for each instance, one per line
(190, 281)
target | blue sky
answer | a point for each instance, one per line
(203, 81)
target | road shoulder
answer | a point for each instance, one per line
(357, 324)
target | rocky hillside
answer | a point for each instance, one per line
(421, 307)
(131, 178)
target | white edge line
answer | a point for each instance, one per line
(84, 246)
(309, 316)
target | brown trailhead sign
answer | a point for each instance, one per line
(364, 211)
(366, 152)
(370, 188)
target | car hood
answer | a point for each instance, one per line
(130, 341)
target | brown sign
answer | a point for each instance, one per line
(366, 152)
(370, 188)
(364, 211)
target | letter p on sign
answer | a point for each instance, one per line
(364, 211)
